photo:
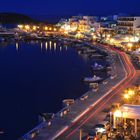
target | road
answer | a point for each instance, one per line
(73, 129)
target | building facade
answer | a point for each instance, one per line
(129, 24)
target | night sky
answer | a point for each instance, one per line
(70, 7)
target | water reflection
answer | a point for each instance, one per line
(46, 45)
(54, 46)
(60, 48)
(50, 44)
(17, 46)
(41, 45)
(66, 48)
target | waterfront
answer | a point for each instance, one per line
(36, 77)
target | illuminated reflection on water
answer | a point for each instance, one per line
(35, 77)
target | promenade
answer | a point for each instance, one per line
(82, 109)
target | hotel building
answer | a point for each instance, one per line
(129, 24)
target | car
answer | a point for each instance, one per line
(92, 135)
(102, 127)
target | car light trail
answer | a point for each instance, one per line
(129, 77)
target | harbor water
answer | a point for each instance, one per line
(34, 78)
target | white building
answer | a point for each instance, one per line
(128, 114)
(82, 24)
(129, 24)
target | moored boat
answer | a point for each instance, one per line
(68, 102)
(93, 79)
(98, 67)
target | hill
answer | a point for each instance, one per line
(14, 18)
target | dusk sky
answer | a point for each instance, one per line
(71, 7)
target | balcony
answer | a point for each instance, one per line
(126, 19)
(125, 24)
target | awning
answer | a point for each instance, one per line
(130, 111)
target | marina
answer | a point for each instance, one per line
(70, 70)
(50, 56)
(75, 111)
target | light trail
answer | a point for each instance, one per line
(130, 75)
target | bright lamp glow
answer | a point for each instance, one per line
(46, 28)
(111, 40)
(27, 27)
(118, 113)
(126, 96)
(34, 27)
(20, 26)
(127, 39)
(129, 45)
(131, 92)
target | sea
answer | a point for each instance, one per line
(35, 77)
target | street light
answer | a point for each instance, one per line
(131, 92)
(46, 28)
(34, 27)
(108, 35)
(27, 27)
(118, 113)
(129, 44)
(54, 29)
(127, 39)
(20, 26)
(94, 37)
(126, 96)
(111, 40)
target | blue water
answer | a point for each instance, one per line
(34, 78)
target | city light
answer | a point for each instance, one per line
(127, 39)
(65, 32)
(34, 27)
(79, 35)
(131, 92)
(108, 36)
(94, 37)
(126, 96)
(27, 27)
(111, 40)
(129, 45)
(20, 26)
(134, 39)
(118, 113)
(46, 28)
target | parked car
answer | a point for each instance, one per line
(102, 127)
(91, 135)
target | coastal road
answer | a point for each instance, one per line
(70, 132)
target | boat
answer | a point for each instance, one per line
(45, 117)
(87, 51)
(97, 67)
(94, 86)
(68, 102)
(96, 55)
(93, 79)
